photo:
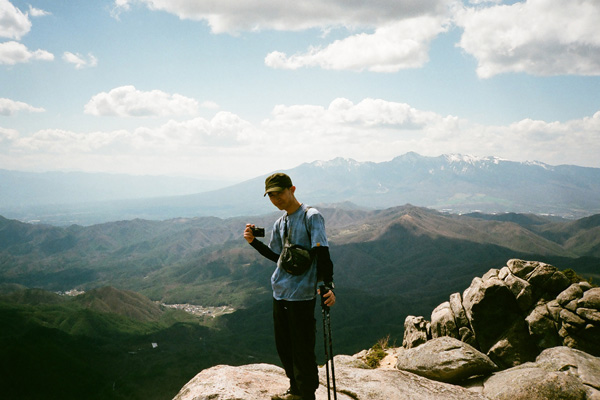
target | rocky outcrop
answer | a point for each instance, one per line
(523, 331)
(513, 313)
(354, 381)
(558, 373)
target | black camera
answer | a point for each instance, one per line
(258, 232)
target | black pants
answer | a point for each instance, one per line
(295, 330)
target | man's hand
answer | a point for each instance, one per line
(329, 297)
(248, 235)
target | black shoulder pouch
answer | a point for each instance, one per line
(294, 259)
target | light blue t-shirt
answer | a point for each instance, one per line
(298, 287)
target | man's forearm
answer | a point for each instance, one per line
(324, 264)
(264, 250)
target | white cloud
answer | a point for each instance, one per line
(378, 130)
(7, 136)
(572, 142)
(36, 12)
(172, 139)
(233, 16)
(13, 23)
(538, 37)
(401, 37)
(80, 61)
(369, 113)
(13, 52)
(223, 130)
(57, 141)
(485, 1)
(370, 130)
(127, 101)
(399, 45)
(209, 105)
(10, 107)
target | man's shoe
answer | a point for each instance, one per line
(288, 395)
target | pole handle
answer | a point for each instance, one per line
(322, 291)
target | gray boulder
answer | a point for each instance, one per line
(570, 296)
(248, 382)
(547, 279)
(443, 322)
(529, 382)
(491, 308)
(465, 332)
(458, 310)
(590, 299)
(416, 331)
(514, 347)
(543, 323)
(497, 321)
(557, 373)
(521, 268)
(575, 362)
(445, 359)
(520, 288)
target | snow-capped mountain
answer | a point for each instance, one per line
(451, 182)
(458, 183)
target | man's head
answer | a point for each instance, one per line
(281, 192)
(277, 183)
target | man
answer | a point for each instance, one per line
(294, 296)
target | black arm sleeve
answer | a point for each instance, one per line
(264, 250)
(324, 264)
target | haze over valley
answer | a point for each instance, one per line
(451, 183)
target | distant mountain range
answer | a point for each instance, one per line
(205, 260)
(453, 183)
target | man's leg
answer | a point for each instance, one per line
(283, 340)
(302, 323)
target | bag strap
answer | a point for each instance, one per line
(287, 235)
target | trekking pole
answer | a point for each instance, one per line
(331, 355)
(326, 352)
(327, 344)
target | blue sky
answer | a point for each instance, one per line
(236, 89)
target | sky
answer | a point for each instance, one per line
(233, 89)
